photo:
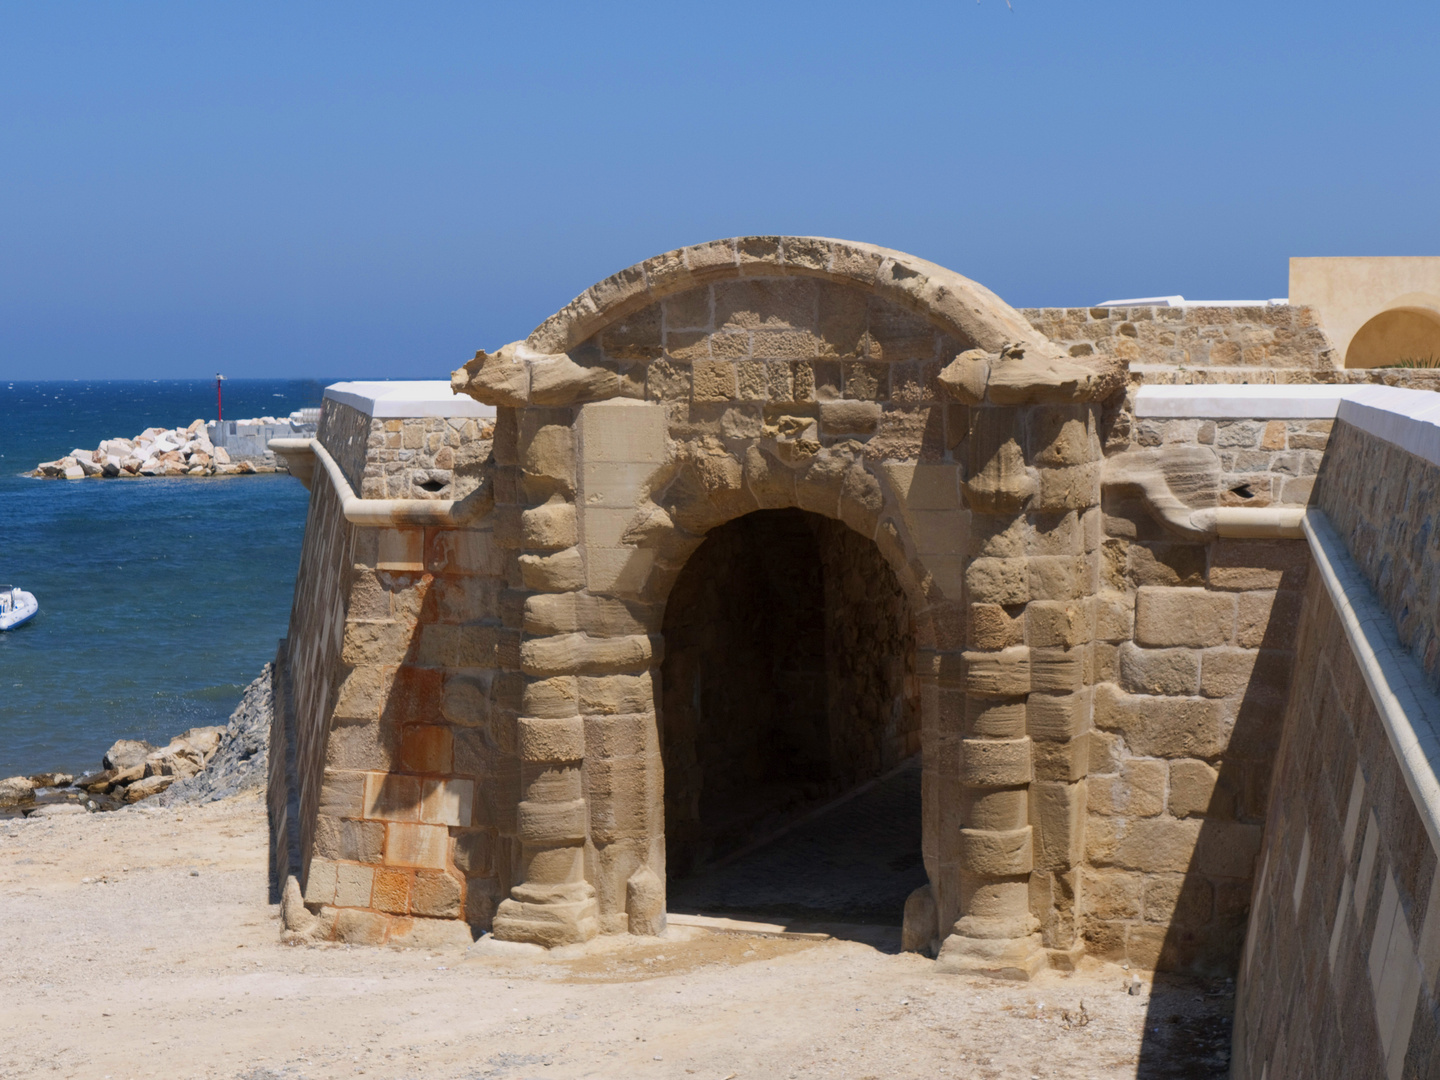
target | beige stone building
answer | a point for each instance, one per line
(754, 522)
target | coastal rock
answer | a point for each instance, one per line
(74, 472)
(97, 782)
(62, 809)
(147, 786)
(240, 762)
(222, 456)
(17, 791)
(52, 779)
(125, 753)
(186, 451)
(180, 759)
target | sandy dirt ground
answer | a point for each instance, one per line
(142, 944)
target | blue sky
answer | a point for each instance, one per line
(372, 190)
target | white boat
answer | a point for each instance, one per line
(16, 606)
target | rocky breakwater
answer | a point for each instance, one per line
(155, 451)
(202, 765)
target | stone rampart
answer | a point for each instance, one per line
(1342, 954)
(1090, 640)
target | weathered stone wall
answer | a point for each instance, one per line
(1273, 344)
(1385, 502)
(1343, 954)
(428, 457)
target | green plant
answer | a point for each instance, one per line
(1431, 361)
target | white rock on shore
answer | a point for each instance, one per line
(155, 451)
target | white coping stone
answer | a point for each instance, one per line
(407, 399)
(1409, 419)
(1245, 401)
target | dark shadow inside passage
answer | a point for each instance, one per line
(790, 725)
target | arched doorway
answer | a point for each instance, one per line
(789, 683)
(1408, 336)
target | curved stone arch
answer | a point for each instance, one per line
(937, 618)
(960, 305)
(619, 446)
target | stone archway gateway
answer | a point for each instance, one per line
(858, 384)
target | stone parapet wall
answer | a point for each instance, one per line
(428, 457)
(1385, 502)
(1278, 344)
(1342, 956)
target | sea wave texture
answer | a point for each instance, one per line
(159, 598)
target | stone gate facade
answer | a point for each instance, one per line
(470, 725)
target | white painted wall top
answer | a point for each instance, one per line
(1231, 401)
(404, 399)
(1409, 419)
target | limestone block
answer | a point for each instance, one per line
(1163, 726)
(994, 809)
(1057, 670)
(1057, 815)
(562, 572)
(447, 802)
(1159, 671)
(552, 822)
(1249, 565)
(996, 762)
(849, 417)
(1060, 435)
(547, 460)
(996, 854)
(964, 378)
(998, 581)
(435, 894)
(1112, 894)
(1056, 623)
(1228, 848)
(342, 793)
(998, 674)
(991, 627)
(320, 881)
(549, 526)
(645, 902)
(417, 845)
(625, 798)
(1192, 786)
(1179, 900)
(375, 643)
(544, 739)
(352, 884)
(426, 748)
(582, 654)
(1267, 619)
(465, 700)
(986, 718)
(1158, 844)
(558, 380)
(354, 841)
(1068, 761)
(391, 891)
(1189, 617)
(1060, 577)
(615, 431)
(618, 571)
(400, 549)
(1074, 488)
(621, 736)
(940, 532)
(389, 797)
(1138, 791)
(616, 694)
(361, 745)
(1057, 717)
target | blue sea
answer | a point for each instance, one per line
(160, 599)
